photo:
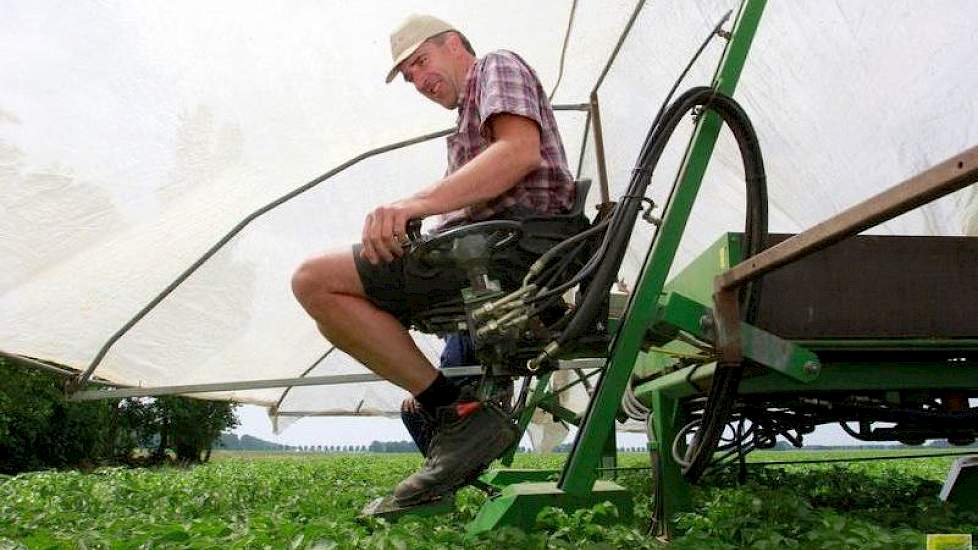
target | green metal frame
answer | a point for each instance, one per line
(793, 368)
(578, 485)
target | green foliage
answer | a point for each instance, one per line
(40, 429)
(311, 502)
(188, 426)
(862, 505)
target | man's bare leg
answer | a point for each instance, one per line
(329, 289)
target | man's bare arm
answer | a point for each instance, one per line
(514, 153)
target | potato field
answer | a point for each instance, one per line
(243, 500)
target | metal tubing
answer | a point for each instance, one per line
(31, 363)
(305, 373)
(595, 115)
(335, 414)
(524, 420)
(80, 381)
(835, 377)
(249, 385)
(947, 177)
(584, 136)
(621, 41)
(599, 149)
(572, 107)
(563, 50)
(469, 370)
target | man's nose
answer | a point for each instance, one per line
(418, 80)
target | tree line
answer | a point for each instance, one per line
(40, 429)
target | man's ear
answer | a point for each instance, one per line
(453, 42)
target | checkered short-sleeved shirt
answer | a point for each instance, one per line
(501, 82)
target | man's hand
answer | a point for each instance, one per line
(385, 228)
(410, 405)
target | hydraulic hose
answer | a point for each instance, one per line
(726, 381)
(623, 221)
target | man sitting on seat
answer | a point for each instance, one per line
(505, 161)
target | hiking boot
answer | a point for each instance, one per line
(468, 437)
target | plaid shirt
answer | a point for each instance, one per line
(501, 82)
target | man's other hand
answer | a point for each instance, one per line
(384, 230)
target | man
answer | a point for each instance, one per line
(505, 160)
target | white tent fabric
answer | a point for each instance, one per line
(133, 136)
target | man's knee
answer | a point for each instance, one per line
(320, 277)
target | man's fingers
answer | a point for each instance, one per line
(400, 234)
(409, 405)
(382, 249)
(384, 234)
(368, 250)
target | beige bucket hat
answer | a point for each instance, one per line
(410, 34)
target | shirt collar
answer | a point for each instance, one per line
(469, 77)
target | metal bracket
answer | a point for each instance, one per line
(676, 311)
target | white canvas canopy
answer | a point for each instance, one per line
(134, 136)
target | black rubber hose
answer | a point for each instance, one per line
(623, 222)
(726, 380)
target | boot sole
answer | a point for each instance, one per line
(465, 480)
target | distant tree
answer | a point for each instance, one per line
(189, 426)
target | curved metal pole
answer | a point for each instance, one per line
(595, 112)
(285, 392)
(563, 49)
(76, 383)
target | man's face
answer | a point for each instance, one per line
(430, 69)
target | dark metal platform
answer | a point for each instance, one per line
(876, 287)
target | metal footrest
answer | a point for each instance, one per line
(386, 508)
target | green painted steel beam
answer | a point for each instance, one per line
(679, 312)
(874, 376)
(519, 504)
(510, 476)
(671, 486)
(539, 392)
(580, 472)
(559, 412)
(834, 377)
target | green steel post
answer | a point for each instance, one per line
(609, 458)
(671, 487)
(580, 472)
(524, 421)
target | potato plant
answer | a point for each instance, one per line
(311, 501)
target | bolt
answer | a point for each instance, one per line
(812, 367)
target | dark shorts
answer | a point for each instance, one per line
(408, 285)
